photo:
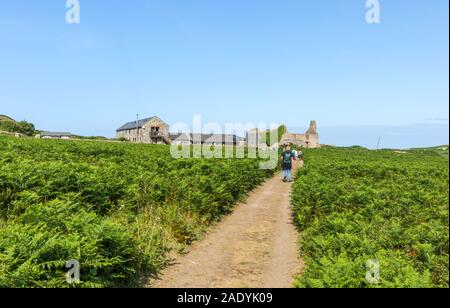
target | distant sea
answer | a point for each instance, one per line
(394, 137)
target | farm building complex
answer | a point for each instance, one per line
(155, 131)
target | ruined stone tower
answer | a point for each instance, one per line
(312, 136)
(310, 139)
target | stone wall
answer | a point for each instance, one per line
(310, 139)
(130, 135)
(144, 134)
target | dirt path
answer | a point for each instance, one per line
(255, 246)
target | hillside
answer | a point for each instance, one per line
(6, 118)
(9, 125)
(441, 150)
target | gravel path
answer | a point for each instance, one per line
(256, 246)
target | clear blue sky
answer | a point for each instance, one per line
(286, 61)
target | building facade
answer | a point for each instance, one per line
(151, 130)
(155, 131)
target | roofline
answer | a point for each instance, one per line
(55, 133)
(144, 120)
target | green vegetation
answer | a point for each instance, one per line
(442, 150)
(354, 205)
(9, 125)
(101, 138)
(281, 131)
(117, 208)
(5, 118)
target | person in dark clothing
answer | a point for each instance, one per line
(287, 163)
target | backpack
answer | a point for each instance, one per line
(287, 157)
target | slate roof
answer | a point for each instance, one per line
(180, 137)
(55, 134)
(140, 123)
(217, 138)
(210, 138)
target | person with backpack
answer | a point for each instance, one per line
(287, 163)
(294, 151)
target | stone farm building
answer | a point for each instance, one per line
(155, 131)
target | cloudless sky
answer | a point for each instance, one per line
(284, 61)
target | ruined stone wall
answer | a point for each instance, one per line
(296, 139)
(312, 135)
(313, 141)
(308, 140)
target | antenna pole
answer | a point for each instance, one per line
(378, 144)
(137, 128)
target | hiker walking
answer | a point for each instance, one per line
(300, 155)
(294, 151)
(287, 159)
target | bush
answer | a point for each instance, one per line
(35, 247)
(118, 208)
(354, 205)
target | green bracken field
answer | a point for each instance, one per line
(120, 209)
(354, 205)
(117, 208)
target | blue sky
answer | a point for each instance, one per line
(284, 61)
